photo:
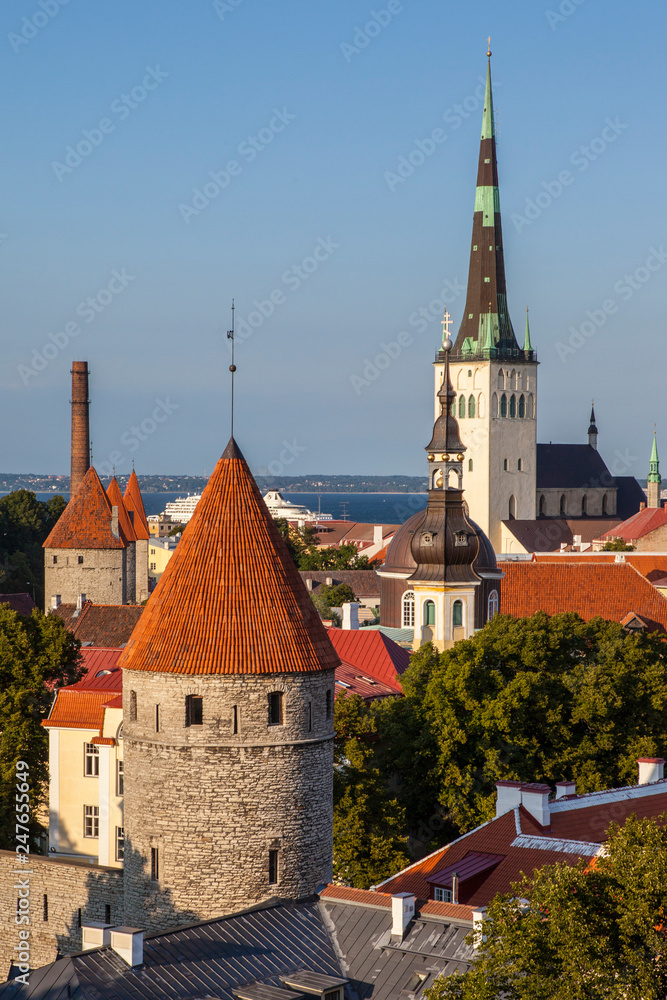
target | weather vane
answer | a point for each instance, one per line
(489, 49)
(232, 367)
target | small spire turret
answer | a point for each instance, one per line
(592, 429)
(654, 480)
(527, 346)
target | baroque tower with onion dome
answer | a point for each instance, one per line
(228, 690)
(495, 380)
(440, 575)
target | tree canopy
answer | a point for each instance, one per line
(37, 654)
(25, 523)
(595, 931)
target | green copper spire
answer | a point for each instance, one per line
(488, 131)
(654, 472)
(527, 346)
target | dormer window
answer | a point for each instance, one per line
(460, 539)
(428, 538)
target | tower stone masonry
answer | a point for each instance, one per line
(228, 689)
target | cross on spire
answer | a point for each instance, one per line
(446, 323)
(232, 367)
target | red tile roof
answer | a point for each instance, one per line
(591, 819)
(135, 505)
(640, 524)
(107, 625)
(230, 599)
(350, 681)
(592, 589)
(453, 910)
(102, 670)
(78, 709)
(647, 563)
(22, 604)
(115, 498)
(345, 892)
(373, 653)
(86, 521)
(495, 837)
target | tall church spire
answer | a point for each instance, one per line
(654, 480)
(486, 329)
(593, 430)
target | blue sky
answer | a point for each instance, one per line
(162, 158)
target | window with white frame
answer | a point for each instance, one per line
(91, 760)
(119, 777)
(442, 895)
(408, 606)
(120, 843)
(457, 614)
(493, 604)
(91, 821)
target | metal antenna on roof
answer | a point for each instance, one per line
(232, 367)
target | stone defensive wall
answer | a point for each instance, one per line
(55, 896)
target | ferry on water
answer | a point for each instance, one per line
(182, 509)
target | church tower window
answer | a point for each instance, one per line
(493, 605)
(501, 379)
(512, 508)
(543, 505)
(471, 406)
(522, 406)
(429, 613)
(505, 466)
(513, 406)
(408, 609)
(462, 406)
(584, 505)
(563, 504)
(470, 465)
(604, 504)
(457, 614)
(503, 405)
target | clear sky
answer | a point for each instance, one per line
(118, 118)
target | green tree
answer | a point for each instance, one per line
(25, 523)
(37, 654)
(589, 932)
(346, 556)
(369, 843)
(618, 545)
(299, 541)
(337, 596)
(530, 699)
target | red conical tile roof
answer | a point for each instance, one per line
(231, 600)
(86, 521)
(135, 504)
(115, 498)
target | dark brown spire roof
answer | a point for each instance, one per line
(86, 521)
(231, 600)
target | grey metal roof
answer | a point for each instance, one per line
(206, 960)
(381, 967)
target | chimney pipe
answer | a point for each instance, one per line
(128, 942)
(80, 425)
(455, 887)
(350, 615)
(651, 769)
(402, 912)
(564, 788)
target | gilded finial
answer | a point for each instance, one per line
(489, 48)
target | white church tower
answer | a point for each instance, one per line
(494, 379)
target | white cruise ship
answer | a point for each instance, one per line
(279, 507)
(182, 509)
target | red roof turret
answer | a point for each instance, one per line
(86, 522)
(135, 505)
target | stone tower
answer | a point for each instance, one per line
(80, 458)
(494, 379)
(654, 480)
(134, 505)
(228, 688)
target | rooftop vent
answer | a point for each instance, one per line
(350, 615)
(316, 985)
(651, 769)
(564, 788)
(402, 912)
(128, 942)
(95, 935)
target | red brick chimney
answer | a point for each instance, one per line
(80, 425)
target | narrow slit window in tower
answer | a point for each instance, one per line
(503, 405)
(235, 720)
(273, 867)
(328, 704)
(194, 710)
(155, 864)
(276, 708)
(513, 406)
(522, 406)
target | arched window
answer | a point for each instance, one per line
(512, 384)
(501, 379)
(512, 508)
(604, 504)
(429, 613)
(457, 614)
(519, 464)
(494, 405)
(503, 405)
(493, 605)
(530, 411)
(522, 406)
(505, 465)
(584, 505)
(481, 408)
(470, 466)
(563, 504)
(513, 406)
(543, 505)
(471, 406)
(462, 406)
(408, 609)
